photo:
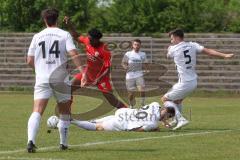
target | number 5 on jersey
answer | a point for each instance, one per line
(188, 57)
(53, 50)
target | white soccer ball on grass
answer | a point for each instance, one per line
(52, 122)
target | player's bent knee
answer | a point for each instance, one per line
(39, 110)
(130, 93)
(99, 127)
(75, 83)
(179, 101)
(164, 99)
(64, 107)
(64, 117)
(40, 105)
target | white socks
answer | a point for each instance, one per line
(34, 122)
(85, 125)
(177, 108)
(33, 125)
(63, 125)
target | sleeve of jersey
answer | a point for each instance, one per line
(82, 39)
(69, 43)
(170, 53)
(199, 47)
(125, 58)
(32, 47)
(149, 127)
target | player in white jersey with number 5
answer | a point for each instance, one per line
(184, 55)
(145, 118)
(47, 53)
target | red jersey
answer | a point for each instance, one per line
(98, 59)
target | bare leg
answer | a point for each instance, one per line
(142, 94)
(34, 122)
(64, 122)
(113, 100)
(181, 121)
(131, 98)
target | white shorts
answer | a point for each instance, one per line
(111, 124)
(181, 90)
(116, 122)
(133, 83)
(44, 91)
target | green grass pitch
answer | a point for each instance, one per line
(213, 134)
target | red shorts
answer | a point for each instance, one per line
(103, 85)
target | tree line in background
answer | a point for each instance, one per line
(131, 16)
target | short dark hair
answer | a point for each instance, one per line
(50, 15)
(137, 40)
(95, 33)
(177, 32)
(171, 111)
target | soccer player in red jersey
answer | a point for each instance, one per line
(97, 71)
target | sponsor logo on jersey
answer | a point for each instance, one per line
(91, 58)
(104, 85)
(51, 62)
(96, 54)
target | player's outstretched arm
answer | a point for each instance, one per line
(124, 62)
(146, 128)
(146, 67)
(76, 59)
(71, 27)
(30, 61)
(166, 124)
(143, 130)
(124, 65)
(215, 53)
(138, 129)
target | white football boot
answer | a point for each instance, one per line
(173, 122)
(181, 122)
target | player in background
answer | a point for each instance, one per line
(97, 71)
(145, 118)
(184, 56)
(134, 62)
(47, 52)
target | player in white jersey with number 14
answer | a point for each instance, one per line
(48, 53)
(184, 55)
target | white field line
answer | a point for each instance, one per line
(26, 158)
(118, 141)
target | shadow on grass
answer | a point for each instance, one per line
(100, 149)
(196, 129)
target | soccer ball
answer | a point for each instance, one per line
(52, 122)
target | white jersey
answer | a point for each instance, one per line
(146, 117)
(49, 48)
(184, 55)
(134, 60)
